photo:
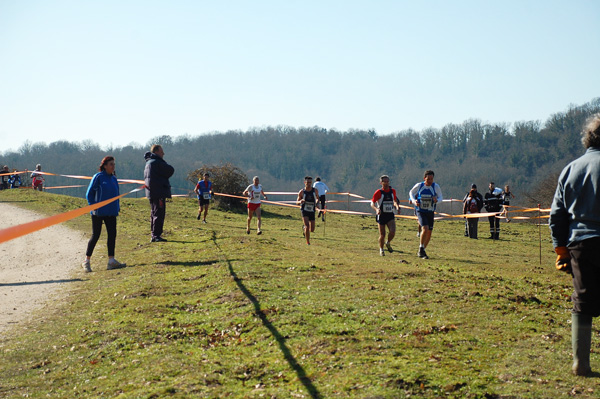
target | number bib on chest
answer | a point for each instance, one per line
(309, 207)
(206, 196)
(426, 202)
(387, 207)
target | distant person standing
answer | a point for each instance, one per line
(575, 227)
(307, 199)
(506, 197)
(425, 195)
(384, 202)
(322, 189)
(472, 205)
(479, 200)
(104, 185)
(156, 176)
(204, 192)
(493, 203)
(253, 192)
(37, 179)
(5, 178)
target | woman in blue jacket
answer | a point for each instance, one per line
(104, 186)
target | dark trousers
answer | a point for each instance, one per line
(494, 226)
(322, 200)
(585, 262)
(111, 230)
(472, 224)
(158, 208)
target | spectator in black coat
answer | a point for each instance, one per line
(493, 203)
(156, 176)
(472, 203)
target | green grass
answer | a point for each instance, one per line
(217, 313)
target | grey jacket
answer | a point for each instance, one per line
(575, 212)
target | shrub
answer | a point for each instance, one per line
(227, 179)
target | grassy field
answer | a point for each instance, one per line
(217, 313)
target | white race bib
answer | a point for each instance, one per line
(387, 207)
(309, 207)
(256, 194)
(206, 196)
(426, 202)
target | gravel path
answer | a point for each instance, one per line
(34, 268)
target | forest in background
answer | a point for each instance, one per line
(527, 155)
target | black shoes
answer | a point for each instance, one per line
(422, 254)
(158, 239)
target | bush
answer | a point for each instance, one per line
(226, 179)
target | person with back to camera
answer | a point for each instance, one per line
(383, 202)
(575, 228)
(472, 204)
(156, 176)
(307, 199)
(253, 192)
(37, 179)
(204, 191)
(322, 189)
(493, 203)
(104, 185)
(4, 179)
(425, 195)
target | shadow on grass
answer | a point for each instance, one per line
(201, 263)
(40, 282)
(287, 354)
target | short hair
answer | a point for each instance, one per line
(492, 183)
(155, 148)
(254, 178)
(590, 137)
(206, 174)
(307, 177)
(384, 177)
(427, 173)
(318, 178)
(38, 166)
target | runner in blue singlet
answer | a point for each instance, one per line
(425, 195)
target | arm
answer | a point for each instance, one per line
(411, 194)
(263, 194)
(92, 188)
(374, 203)
(438, 193)
(299, 200)
(196, 189)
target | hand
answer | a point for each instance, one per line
(563, 260)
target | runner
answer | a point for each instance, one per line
(254, 192)
(37, 180)
(425, 195)
(384, 201)
(204, 192)
(307, 199)
(322, 189)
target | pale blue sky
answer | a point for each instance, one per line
(117, 72)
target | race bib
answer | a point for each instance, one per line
(256, 194)
(426, 202)
(206, 196)
(387, 207)
(309, 207)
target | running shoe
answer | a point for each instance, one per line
(198, 217)
(247, 231)
(86, 266)
(115, 264)
(422, 254)
(389, 247)
(259, 232)
(381, 252)
(204, 221)
(303, 231)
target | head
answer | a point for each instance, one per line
(473, 192)
(590, 136)
(492, 186)
(384, 181)
(255, 180)
(5, 167)
(308, 181)
(206, 176)
(158, 150)
(318, 178)
(428, 177)
(473, 187)
(107, 165)
(507, 188)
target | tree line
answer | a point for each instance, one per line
(525, 154)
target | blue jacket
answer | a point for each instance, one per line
(156, 177)
(575, 212)
(102, 187)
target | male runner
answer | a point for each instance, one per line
(425, 195)
(384, 201)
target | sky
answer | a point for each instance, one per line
(125, 71)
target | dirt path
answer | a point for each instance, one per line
(34, 268)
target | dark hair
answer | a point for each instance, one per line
(307, 177)
(318, 178)
(590, 136)
(105, 160)
(427, 173)
(384, 177)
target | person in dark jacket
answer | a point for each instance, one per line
(156, 176)
(104, 186)
(575, 227)
(493, 203)
(472, 204)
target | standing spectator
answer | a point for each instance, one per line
(383, 202)
(322, 189)
(156, 176)
(307, 199)
(15, 180)
(472, 204)
(4, 178)
(104, 185)
(425, 195)
(204, 191)
(480, 203)
(506, 196)
(493, 203)
(254, 191)
(575, 227)
(37, 179)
